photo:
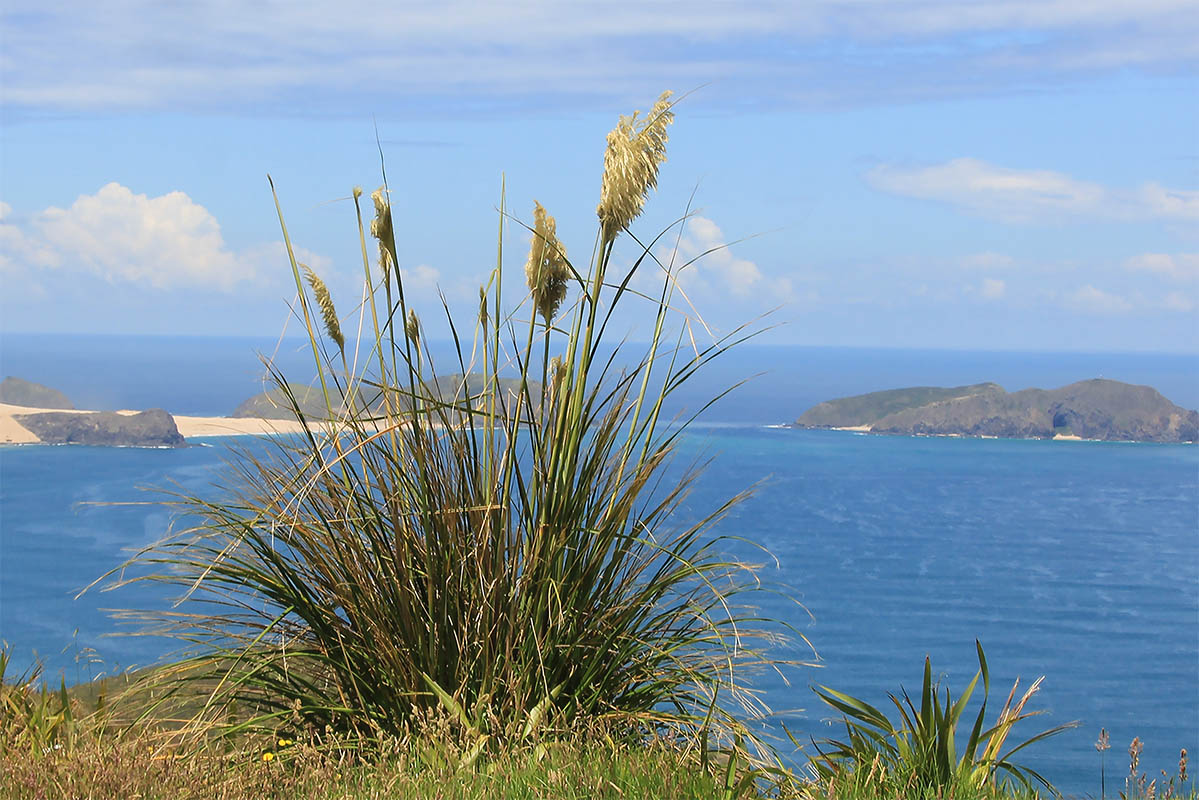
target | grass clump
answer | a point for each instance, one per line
(507, 552)
(918, 755)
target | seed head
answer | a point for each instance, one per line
(1104, 742)
(381, 229)
(1182, 766)
(1134, 754)
(636, 148)
(325, 302)
(412, 327)
(557, 373)
(547, 270)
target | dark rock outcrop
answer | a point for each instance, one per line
(1094, 409)
(151, 428)
(20, 392)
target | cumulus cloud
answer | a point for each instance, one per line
(1177, 267)
(422, 277)
(165, 242)
(715, 268)
(1177, 301)
(18, 251)
(1014, 195)
(988, 260)
(993, 289)
(1096, 301)
(144, 54)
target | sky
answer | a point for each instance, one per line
(1005, 175)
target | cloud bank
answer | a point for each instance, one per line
(1026, 196)
(467, 56)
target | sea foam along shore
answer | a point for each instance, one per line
(12, 432)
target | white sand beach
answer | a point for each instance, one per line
(12, 432)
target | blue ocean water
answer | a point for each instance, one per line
(1078, 561)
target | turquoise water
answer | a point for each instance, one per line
(1074, 560)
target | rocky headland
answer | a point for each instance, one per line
(31, 413)
(1097, 409)
(151, 428)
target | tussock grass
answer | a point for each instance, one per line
(507, 553)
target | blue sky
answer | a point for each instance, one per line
(995, 175)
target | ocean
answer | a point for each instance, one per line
(1078, 561)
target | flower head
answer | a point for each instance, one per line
(381, 229)
(636, 148)
(325, 301)
(412, 327)
(547, 271)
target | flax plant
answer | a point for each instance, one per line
(499, 541)
(920, 750)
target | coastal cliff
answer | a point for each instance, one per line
(1093, 409)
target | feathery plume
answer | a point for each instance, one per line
(636, 148)
(381, 229)
(412, 327)
(325, 302)
(547, 270)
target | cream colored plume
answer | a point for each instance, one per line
(547, 270)
(412, 327)
(325, 302)
(381, 229)
(636, 148)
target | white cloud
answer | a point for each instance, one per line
(165, 242)
(422, 277)
(18, 251)
(1177, 301)
(993, 289)
(988, 260)
(716, 268)
(1014, 195)
(143, 54)
(1096, 301)
(1178, 267)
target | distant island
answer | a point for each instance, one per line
(1096, 409)
(31, 413)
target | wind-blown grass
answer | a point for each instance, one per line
(509, 553)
